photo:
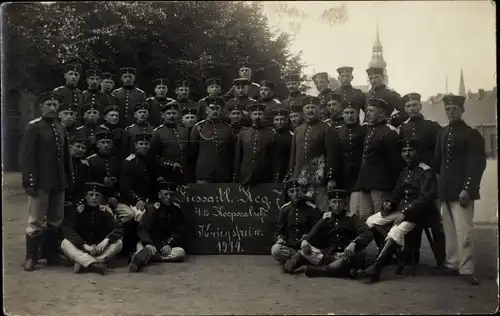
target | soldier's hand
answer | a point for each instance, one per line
(102, 245)
(87, 248)
(93, 251)
(332, 184)
(108, 181)
(31, 191)
(399, 219)
(350, 249)
(463, 198)
(280, 241)
(305, 247)
(113, 202)
(152, 249)
(140, 205)
(165, 250)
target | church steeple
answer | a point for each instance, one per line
(461, 87)
(378, 56)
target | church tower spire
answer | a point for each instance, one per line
(378, 56)
(461, 87)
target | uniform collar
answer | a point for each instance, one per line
(456, 123)
(128, 87)
(70, 86)
(314, 121)
(347, 86)
(352, 125)
(417, 118)
(93, 90)
(379, 87)
(170, 125)
(242, 97)
(295, 94)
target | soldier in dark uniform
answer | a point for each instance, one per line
(69, 93)
(107, 84)
(170, 146)
(90, 126)
(161, 90)
(127, 96)
(352, 138)
(267, 97)
(346, 90)
(334, 106)
(413, 196)
(92, 237)
(160, 231)
(395, 111)
(460, 161)
(254, 150)
(141, 114)
(241, 88)
(214, 86)
(322, 83)
(296, 218)
(296, 115)
(45, 164)
(182, 89)
(80, 174)
(295, 95)
(380, 162)
(189, 118)
(340, 241)
(212, 146)
(283, 140)
(67, 117)
(252, 89)
(92, 95)
(111, 123)
(235, 115)
(315, 155)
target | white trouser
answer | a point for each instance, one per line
(84, 258)
(365, 204)
(126, 212)
(397, 232)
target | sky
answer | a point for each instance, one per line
(424, 42)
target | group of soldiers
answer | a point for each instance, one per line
(109, 186)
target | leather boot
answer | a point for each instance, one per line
(52, 245)
(374, 270)
(334, 269)
(139, 260)
(32, 243)
(294, 263)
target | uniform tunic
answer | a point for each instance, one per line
(236, 129)
(323, 97)
(212, 148)
(97, 98)
(253, 158)
(137, 180)
(126, 98)
(349, 93)
(88, 132)
(253, 91)
(293, 99)
(283, 140)
(90, 225)
(314, 156)
(426, 132)
(161, 225)
(381, 159)
(336, 123)
(44, 157)
(71, 96)
(79, 177)
(100, 167)
(154, 109)
(395, 102)
(295, 221)
(128, 139)
(352, 138)
(72, 131)
(460, 160)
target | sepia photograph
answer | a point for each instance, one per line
(249, 157)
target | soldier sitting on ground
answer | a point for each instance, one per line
(92, 237)
(160, 230)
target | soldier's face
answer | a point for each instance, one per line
(142, 147)
(141, 115)
(107, 85)
(241, 91)
(182, 92)
(334, 108)
(296, 119)
(279, 121)
(266, 93)
(295, 194)
(67, 117)
(91, 116)
(337, 206)
(409, 154)
(374, 114)
(128, 79)
(93, 198)
(413, 108)
(166, 197)
(49, 108)
(257, 117)
(245, 72)
(161, 90)
(93, 82)
(376, 80)
(112, 117)
(293, 86)
(454, 112)
(72, 77)
(311, 111)
(170, 115)
(350, 116)
(77, 150)
(321, 84)
(235, 116)
(104, 146)
(213, 90)
(214, 111)
(189, 120)
(345, 78)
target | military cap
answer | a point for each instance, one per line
(186, 111)
(353, 104)
(144, 137)
(380, 103)
(333, 96)
(296, 109)
(290, 184)
(280, 111)
(161, 82)
(244, 64)
(345, 70)
(67, 107)
(236, 106)
(46, 96)
(167, 186)
(320, 75)
(108, 75)
(309, 99)
(338, 194)
(93, 72)
(411, 97)
(451, 99)
(267, 83)
(256, 107)
(140, 106)
(374, 71)
(90, 106)
(172, 105)
(409, 142)
(128, 70)
(95, 186)
(292, 77)
(182, 83)
(79, 139)
(104, 135)
(73, 67)
(241, 81)
(110, 108)
(212, 81)
(214, 101)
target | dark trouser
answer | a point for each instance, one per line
(414, 240)
(129, 238)
(339, 267)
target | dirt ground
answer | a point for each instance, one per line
(241, 284)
